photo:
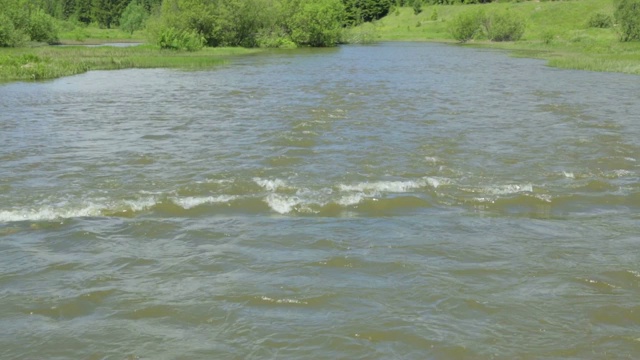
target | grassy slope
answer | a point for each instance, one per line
(48, 62)
(572, 44)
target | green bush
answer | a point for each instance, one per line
(9, 35)
(600, 20)
(547, 37)
(274, 39)
(358, 11)
(42, 27)
(180, 16)
(627, 16)
(504, 26)
(317, 23)
(133, 17)
(363, 34)
(466, 25)
(171, 38)
(417, 7)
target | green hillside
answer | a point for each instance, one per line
(556, 31)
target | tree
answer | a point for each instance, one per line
(358, 11)
(465, 25)
(627, 16)
(199, 17)
(23, 20)
(133, 17)
(83, 11)
(42, 27)
(504, 26)
(107, 12)
(317, 22)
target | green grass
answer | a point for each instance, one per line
(76, 34)
(556, 31)
(48, 62)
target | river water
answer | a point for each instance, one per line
(395, 201)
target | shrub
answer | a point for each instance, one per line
(133, 17)
(358, 11)
(600, 20)
(171, 38)
(363, 34)
(504, 27)
(627, 16)
(317, 23)
(417, 7)
(9, 35)
(42, 27)
(274, 39)
(547, 37)
(465, 25)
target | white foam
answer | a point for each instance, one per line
(433, 182)
(431, 159)
(509, 189)
(270, 185)
(283, 301)
(352, 199)
(392, 186)
(47, 213)
(568, 175)
(89, 208)
(216, 181)
(622, 173)
(191, 201)
(140, 204)
(282, 204)
(384, 186)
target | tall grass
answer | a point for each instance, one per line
(72, 33)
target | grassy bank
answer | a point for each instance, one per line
(48, 62)
(555, 31)
(87, 35)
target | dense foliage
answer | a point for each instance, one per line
(465, 26)
(627, 16)
(600, 20)
(251, 23)
(133, 17)
(498, 26)
(358, 11)
(504, 26)
(22, 21)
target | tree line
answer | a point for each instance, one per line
(191, 24)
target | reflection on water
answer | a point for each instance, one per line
(389, 201)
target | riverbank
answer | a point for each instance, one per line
(49, 62)
(555, 31)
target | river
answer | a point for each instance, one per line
(392, 201)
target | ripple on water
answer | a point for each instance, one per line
(365, 202)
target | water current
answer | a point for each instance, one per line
(393, 201)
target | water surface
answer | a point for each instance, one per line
(400, 200)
